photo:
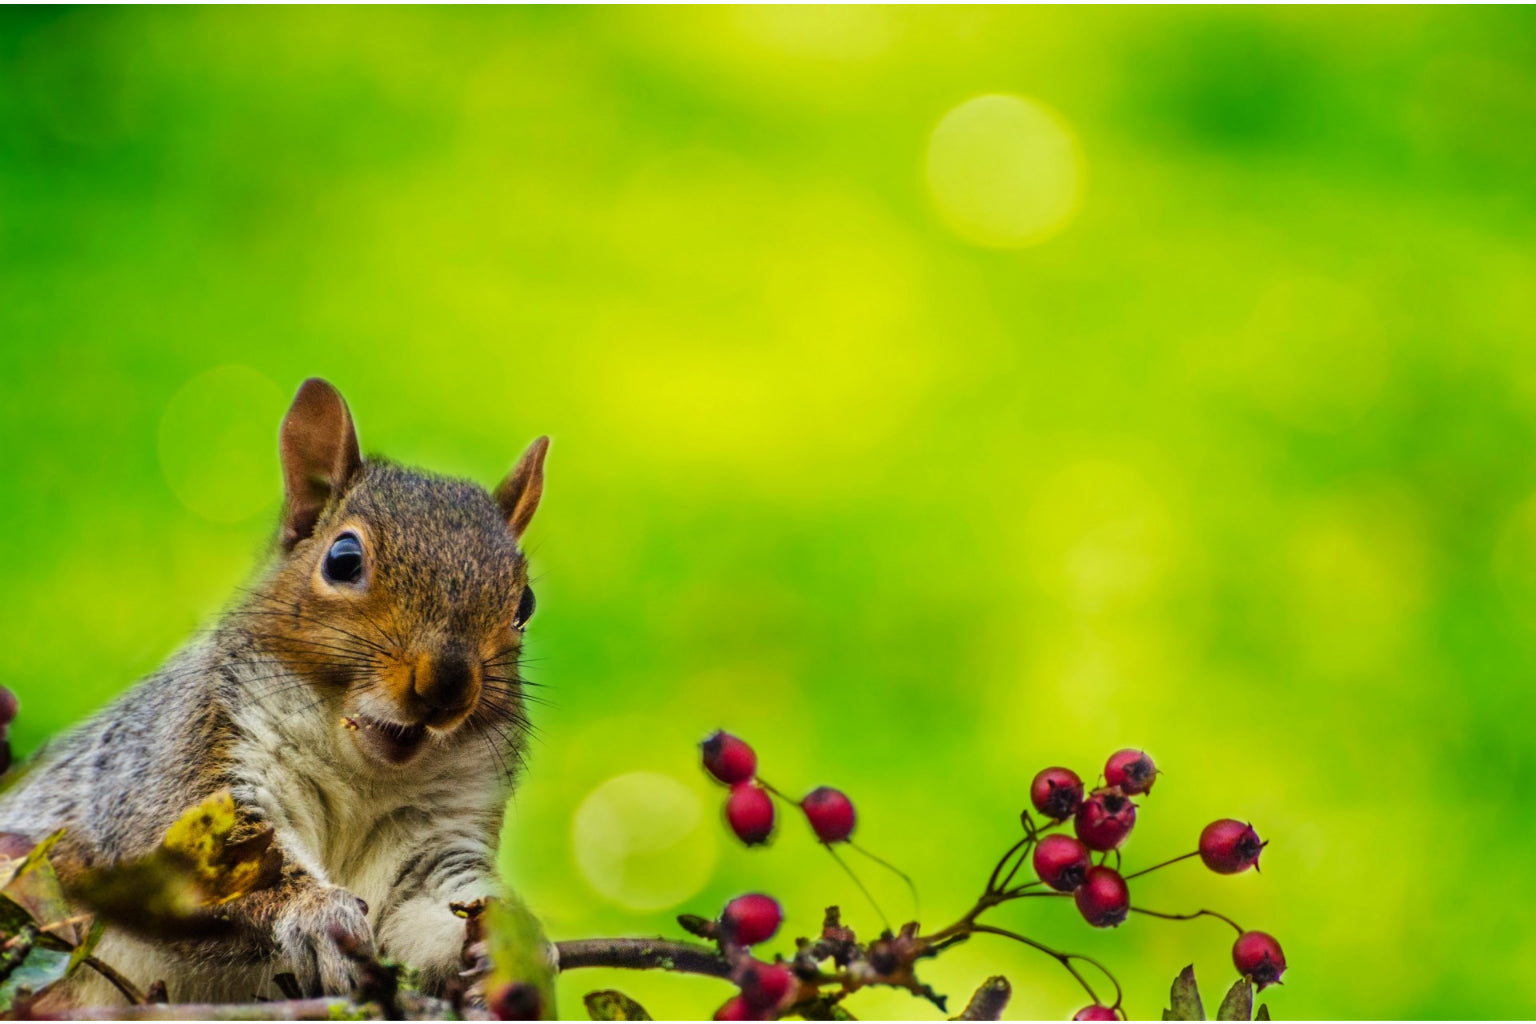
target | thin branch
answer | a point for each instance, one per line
(643, 955)
(127, 988)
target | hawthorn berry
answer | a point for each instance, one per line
(749, 810)
(1103, 899)
(735, 1008)
(1061, 862)
(1056, 792)
(1105, 819)
(1130, 770)
(516, 1001)
(750, 919)
(1229, 846)
(1258, 956)
(830, 813)
(729, 758)
(1097, 1011)
(8, 707)
(764, 986)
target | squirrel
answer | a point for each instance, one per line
(361, 700)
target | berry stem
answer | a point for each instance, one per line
(917, 906)
(992, 882)
(862, 888)
(1154, 867)
(1189, 917)
(1065, 959)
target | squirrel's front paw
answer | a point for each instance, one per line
(321, 936)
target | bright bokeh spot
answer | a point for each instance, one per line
(643, 841)
(218, 444)
(1004, 171)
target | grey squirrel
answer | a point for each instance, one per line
(361, 699)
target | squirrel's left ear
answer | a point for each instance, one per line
(320, 454)
(518, 495)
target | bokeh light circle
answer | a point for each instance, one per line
(218, 444)
(1004, 171)
(643, 841)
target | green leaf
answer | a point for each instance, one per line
(40, 968)
(1184, 998)
(1239, 1002)
(610, 1004)
(87, 945)
(1263, 1013)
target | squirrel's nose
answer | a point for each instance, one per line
(444, 680)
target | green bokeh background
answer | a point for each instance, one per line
(1236, 467)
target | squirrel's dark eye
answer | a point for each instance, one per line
(525, 606)
(344, 562)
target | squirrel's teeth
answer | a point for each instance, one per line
(348, 722)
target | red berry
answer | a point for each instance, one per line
(1061, 862)
(749, 810)
(1131, 770)
(728, 758)
(830, 813)
(764, 986)
(1105, 819)
(1103, 899)
(1056, 792)
(735, 1008)
(1096, 1012)
(516, 1001)
(1228, 846)
(1258, 956)
(750, 919)
(8, 707)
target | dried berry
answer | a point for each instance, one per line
(1105, 819)
(750, 919)
(749, 810)
(1229, 846)
(1056, 792)
(1103, 899)
(729, 758)
(830, 813)
(1132, 771)
(1061, 862)
(1258, 956)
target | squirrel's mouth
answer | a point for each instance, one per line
(389, 742)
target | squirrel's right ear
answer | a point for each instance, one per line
(320, 454)
(518, 495)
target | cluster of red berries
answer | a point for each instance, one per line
(764, 987)
(1101, 822)
(749, 808)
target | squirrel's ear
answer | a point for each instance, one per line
(319, 449)
(518, 495)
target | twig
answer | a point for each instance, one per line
(129, 990)
(643, 955)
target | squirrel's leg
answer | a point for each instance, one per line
(416, 925)
(312, 928)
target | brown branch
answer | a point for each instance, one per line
(127, 988)
(643, 955)
(990, 1000)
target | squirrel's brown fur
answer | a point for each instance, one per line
(376, 724)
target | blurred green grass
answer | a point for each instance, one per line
(1234, 467)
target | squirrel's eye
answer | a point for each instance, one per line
(525, 606)
(344, 562)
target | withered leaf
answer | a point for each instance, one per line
(1239, 1002)
(611, 1004)
(1184, 997)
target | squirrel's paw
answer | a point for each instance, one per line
(322, 937)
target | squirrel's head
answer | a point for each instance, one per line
(402, 596)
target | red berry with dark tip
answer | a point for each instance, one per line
(830, 813)
(1056, 792)
(1103, 899)
(8, 707)
(1131, 770)
(1229, 846)
(749, 810)
(1105, 819)
(516, 1001)
(1258, 956)
(750, 919)
(728, 758)
(1061, 862)
(1096, 1012)
(764, 986)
